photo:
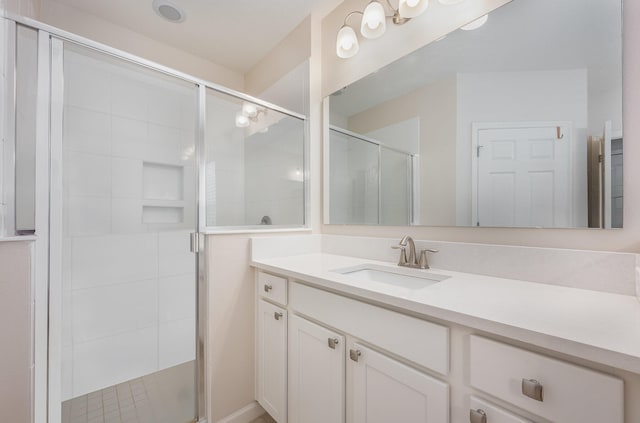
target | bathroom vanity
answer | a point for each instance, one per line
(348, 339)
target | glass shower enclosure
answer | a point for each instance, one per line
(125, 200)
(118, 167)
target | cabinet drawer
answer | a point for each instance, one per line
(493, 413)
(272, 287)
(568, 393)
(422, 342)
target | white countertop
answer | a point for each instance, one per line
(596, 326)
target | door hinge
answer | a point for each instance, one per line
(195, 242)
(478, 150)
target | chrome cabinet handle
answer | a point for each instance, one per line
(277, 315)
(532, 389)
(267, 288)
(354, 355)
(477, 416)
(332, 343)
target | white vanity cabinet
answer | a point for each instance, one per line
(346, 360)
(380, 389)
(271, 348)
(550, 388)
(316, 373)
(384, 390)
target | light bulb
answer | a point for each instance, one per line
(241, 120)
(373, 24)
(347, 43)
(249, 109)
(412, 8)
(373, 21)
(475, 24)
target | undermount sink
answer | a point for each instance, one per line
(401, 277)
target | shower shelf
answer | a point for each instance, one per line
(163, 203)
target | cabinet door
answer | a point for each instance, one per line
(316, 373)
(384, 390)
(272, 360)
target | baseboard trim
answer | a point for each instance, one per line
(245, 414)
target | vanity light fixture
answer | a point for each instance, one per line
(374, 22)
(249, 113)
(475, 24)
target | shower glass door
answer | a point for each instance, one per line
(124, 191)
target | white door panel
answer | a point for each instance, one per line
(523, 177)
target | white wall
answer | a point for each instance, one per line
(102, 31)
(403, 135)
(29, 8)
(514, 97)
(128, 275)
(16, 315)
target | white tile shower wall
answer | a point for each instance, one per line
(129, 287)
(225, 164)
(274, 174)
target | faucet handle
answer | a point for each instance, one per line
(423, 263)
(403, 254)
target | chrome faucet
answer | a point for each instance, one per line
(412, 260)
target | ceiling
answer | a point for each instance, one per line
(523, 35)
(232, 33)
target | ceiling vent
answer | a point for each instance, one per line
(168, 10)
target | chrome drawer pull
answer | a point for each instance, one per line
(277, 315)
(532, 389)
(268, 288)
(354, 355)
(332, 343)
(477, 416)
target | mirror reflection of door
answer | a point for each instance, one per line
(525, 175)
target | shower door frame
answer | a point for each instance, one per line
(56, 45)
(47, 328)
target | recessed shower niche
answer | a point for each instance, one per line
(163, 193)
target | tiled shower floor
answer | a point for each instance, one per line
(167, 396)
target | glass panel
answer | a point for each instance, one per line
(354, 180)
(26, 80)
(254, 166)
(129, 278)
(395, 187)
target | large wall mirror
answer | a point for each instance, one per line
(517, 123)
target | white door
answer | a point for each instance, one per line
(384, 390)
(316, 373)
(524, 176)
(272, 360)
